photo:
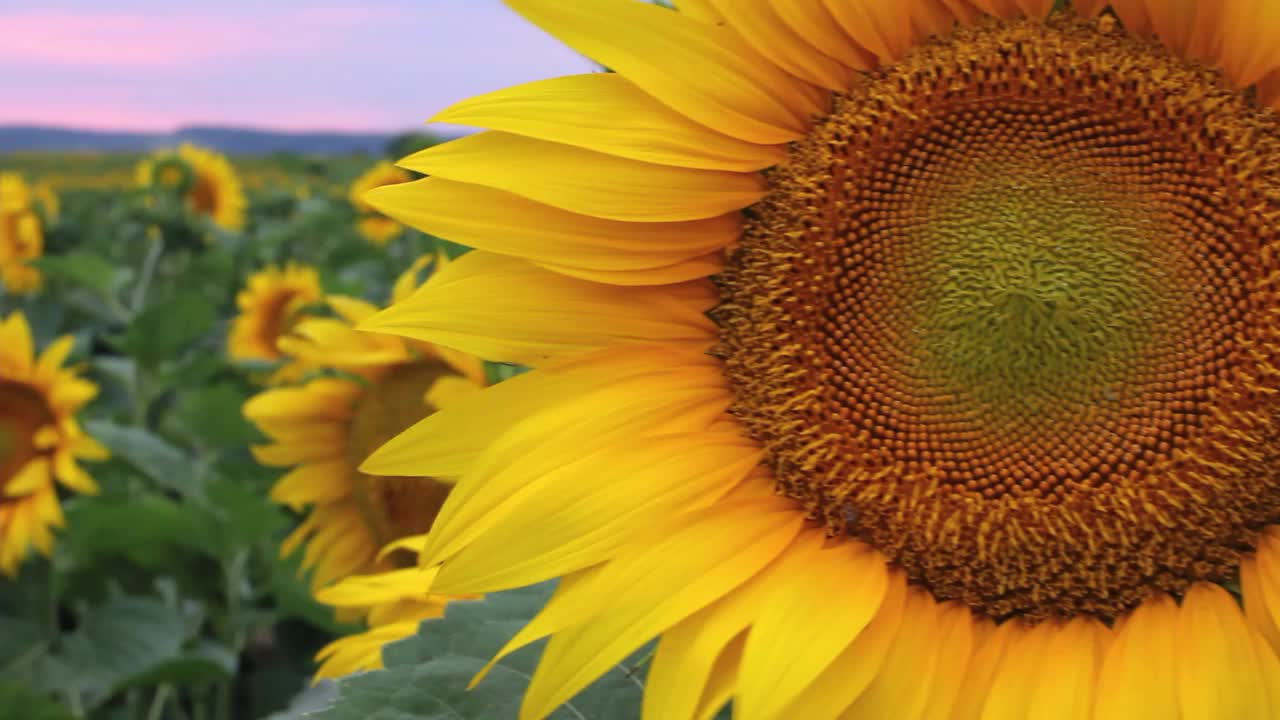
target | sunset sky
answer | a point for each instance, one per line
(155, 65)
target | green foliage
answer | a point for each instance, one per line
(426, 675)
(166, 597)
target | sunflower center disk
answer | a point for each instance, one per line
(22, 412)
(1010, 316)
(394, 507)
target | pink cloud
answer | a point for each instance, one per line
(112, 39)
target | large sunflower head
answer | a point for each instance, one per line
(203, 178)
(906, 359)
(373, 226)
(374, 387)
(21, 233)
(270, 306)
(41, 443)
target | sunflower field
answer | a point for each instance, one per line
(819, 360)
(184, 403)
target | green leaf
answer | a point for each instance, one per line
(19, 701)
(206, 663)
(211, 416)
(168, 466)
(151, 531)
(119, 641)
(427, 675)
(314, 698)
(163, 330)
(86, 270)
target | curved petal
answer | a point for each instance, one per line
(813, 21)
(506, 309)
(446, 443)
(653, 586)
(588, 182)
(1137, 680)
(849, 674)
(607, 113)
(1218, 675)
(1246, 32)
(820, 599)
(569, 519)
(502, 222)
(734, 91)
(699, 10)
(760, 25)
(902, 687)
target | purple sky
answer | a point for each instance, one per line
(287, 64)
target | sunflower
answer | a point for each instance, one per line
(40, 441)
(271, 304)
(21, 232)
(908, 359)
(374, 227)
(325, 428)
(203, 177)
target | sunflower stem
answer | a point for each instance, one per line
(158, 701)
(148, 273)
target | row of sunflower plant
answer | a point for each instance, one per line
(185, 403)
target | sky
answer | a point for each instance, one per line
(155, 65)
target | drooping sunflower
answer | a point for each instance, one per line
(40, 440)
(325, 428)
(270, 306)
(21, 233)
(373, 226)
(203, 177)
(909, 359)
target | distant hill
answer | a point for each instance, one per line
(236, 141)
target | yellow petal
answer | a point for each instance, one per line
(588, 182)
(32, 477)
(444, 444)
(506, 309)
(1067, 674)
(655, 584)
(735, 90)
(52, 359)
(820, 600)
(685, 662)
(759, 23)
(883, 27)
(699, 10)
(814, 22)
(1260, 586)
(546, 442)
(960, 637)
(607, 113)
(1134, 15)
(849, 674)
(1246, 31)
(16, 347)
(71, 475)
(983, 669)
(314, 483)
(722, 681)
(365, 590)
(570, 520)
(902, 686)
(502, 222)
(1217, 672)
(1137, 678)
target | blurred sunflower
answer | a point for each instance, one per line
(40, 441)
(979, 411)
(205, 178)
(373, 226)
(21, 233)
(270, 306)
(325, 428)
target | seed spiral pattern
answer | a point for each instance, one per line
(1009, 314)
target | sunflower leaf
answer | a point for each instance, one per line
(427, 674)
(168, 466)
(19, 701)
